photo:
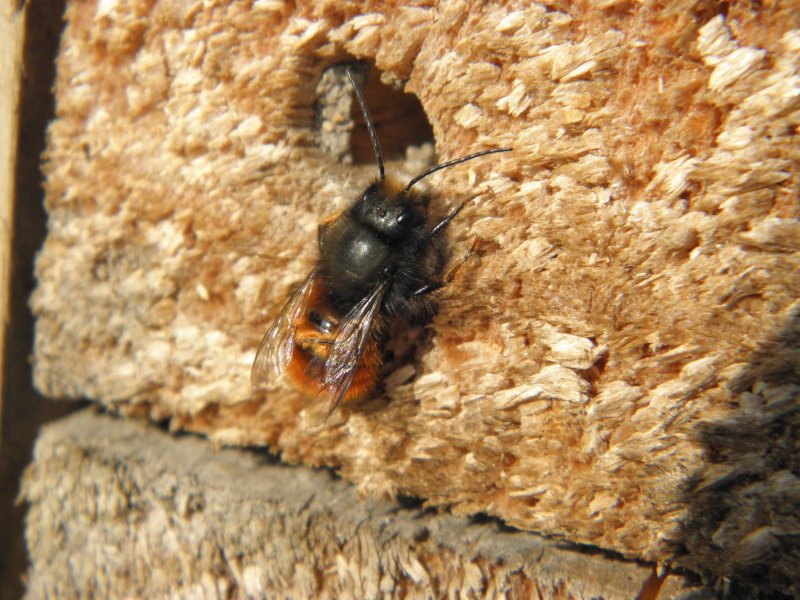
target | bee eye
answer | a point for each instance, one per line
(412, 214)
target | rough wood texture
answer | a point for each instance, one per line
(136, 512)
(620, 364)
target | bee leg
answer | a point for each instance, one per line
(432, 286)
(439, 227)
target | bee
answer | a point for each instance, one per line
(380, 258)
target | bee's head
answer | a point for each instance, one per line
(388, 206)
(390, 213)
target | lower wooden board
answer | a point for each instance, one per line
(123, 509)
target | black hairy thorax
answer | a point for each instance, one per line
(385, 237)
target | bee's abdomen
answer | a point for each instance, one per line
(306, 370)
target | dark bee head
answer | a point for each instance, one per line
(392, 215)
(387, 205)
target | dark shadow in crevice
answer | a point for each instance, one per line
(24, 409)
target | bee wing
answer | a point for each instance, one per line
(275, 350)
(353, 333)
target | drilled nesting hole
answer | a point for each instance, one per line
(398, 117)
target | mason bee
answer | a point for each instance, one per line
(380, 258)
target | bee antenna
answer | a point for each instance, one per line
(451, 163)
(370, 127)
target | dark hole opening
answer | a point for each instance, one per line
(398, 117)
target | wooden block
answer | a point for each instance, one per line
(137, 512)
(619, 365)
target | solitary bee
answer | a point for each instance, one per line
(380, 258)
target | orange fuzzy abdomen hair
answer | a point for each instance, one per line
(312, 347)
